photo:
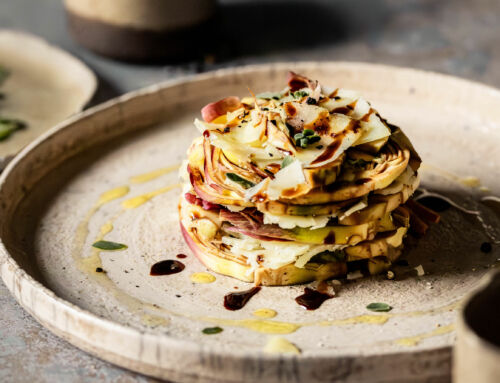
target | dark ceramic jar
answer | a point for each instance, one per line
(142, 29)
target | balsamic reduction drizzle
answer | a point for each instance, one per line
(237, 300)
(312, 299)
(434, 203)
(167, 267)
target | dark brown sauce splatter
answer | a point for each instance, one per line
(362, 181)
(167, 267)
(181, 256)
(330, 238)
(486, 247)
(328, 153)
(434, 203)
(341, 110)
(312, 299)
(236, 301)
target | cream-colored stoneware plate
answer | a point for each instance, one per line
(110, 173)
(45, 85)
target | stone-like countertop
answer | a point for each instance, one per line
(458, 37)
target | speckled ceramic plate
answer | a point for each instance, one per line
(44, 86)
(110, 173)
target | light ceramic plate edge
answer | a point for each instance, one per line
(31, 293)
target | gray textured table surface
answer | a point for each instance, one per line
(458, 37)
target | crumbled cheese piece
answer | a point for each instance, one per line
(279, 345)
(234, 208)
(420, 270)
(359, 206)
(354, 275)
(274, 254)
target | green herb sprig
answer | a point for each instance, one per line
(286, 161)
(299, 94)
(379, 307)
(211, 330)
(358, 163)
(269, 95)
(9, 126)
(109, 246)
(243, 182)
(4, 73)
(305, 138)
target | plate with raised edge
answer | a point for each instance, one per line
(111, 173)
(44, 85)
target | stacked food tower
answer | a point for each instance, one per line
(309, 183)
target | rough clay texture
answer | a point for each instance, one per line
(457, 37)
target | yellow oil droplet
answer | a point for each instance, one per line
(368, 319)
(258, 325)
(106, 228)
(202, 278)
(265, 313)
(408, 342)
(279, 345)
(135, 202)
(484, 189)
(154, 320)
(113, 194)
(414, 340)
(146, 177)
(472, 182)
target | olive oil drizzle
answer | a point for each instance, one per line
(261, 324)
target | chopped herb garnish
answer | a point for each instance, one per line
(358, 163)
(379, 307)
(99, 270)
(243, 182)
(299, 94)
(109, 246)
(305, 138)
(211, 330)
(269, 96)
(286, 161)
(313, 139)
(328, 256)
(311, 101)
(4, 73)
(9, 126)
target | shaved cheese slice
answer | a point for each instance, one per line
(305, 116)
(291, 221)
(234, 209)
(306, 257)
(202, 126)
(407, 178)
(359, 206)
(373, 129)
(287, 178)
(349, 103)
(342, 133)
(275, 254)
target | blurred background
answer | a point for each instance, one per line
(458, 37)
